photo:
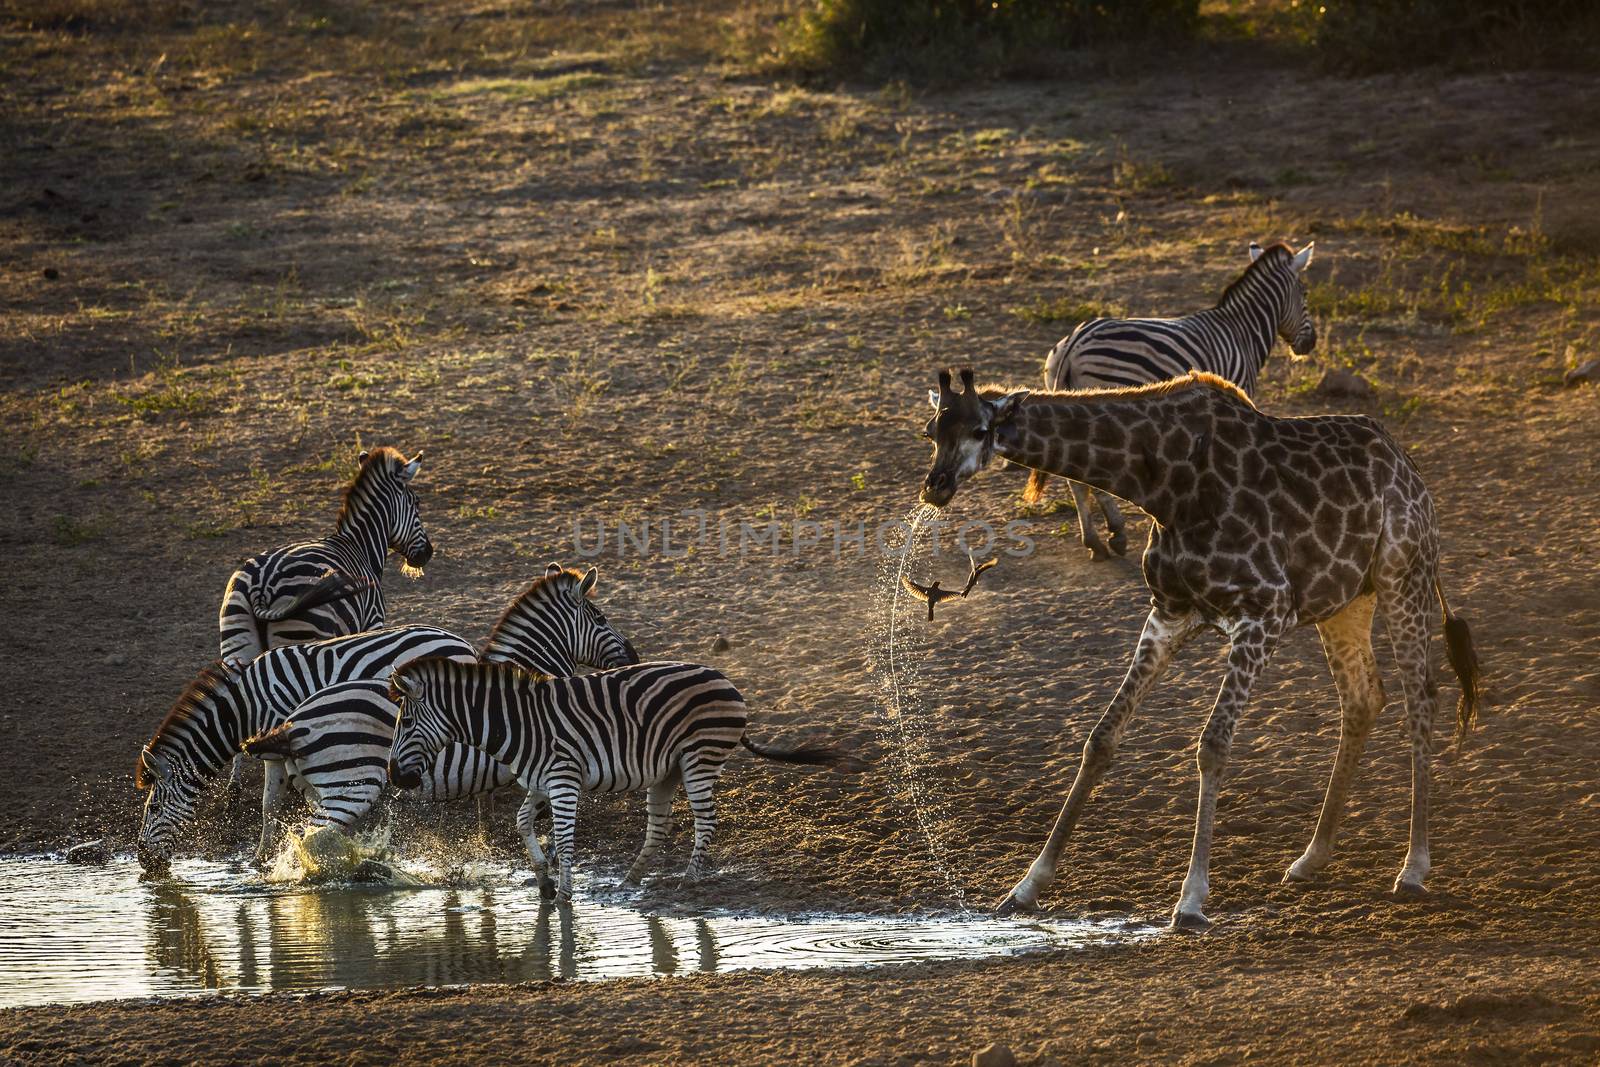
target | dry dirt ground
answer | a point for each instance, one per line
(599, 270)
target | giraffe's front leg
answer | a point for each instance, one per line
(1253, 643)
(1163, 635)
(1090, 536)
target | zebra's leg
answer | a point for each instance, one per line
(658, 812)
(274, 790)
(1253, 642)
(1162, 637)
(1115, 522)
(564, 816)
(236, 782)
(1091, 536)
(700, 773)
(1347, 641)
(527, 819)
(485, 813)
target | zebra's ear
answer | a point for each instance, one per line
(405, 685)
(1005, 409)
(1302, 258)
(362, 457)
(552, 569)
(1255, 251)
(152, 765)
(586, 583)
(409, 471)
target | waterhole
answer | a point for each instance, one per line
(73, 933)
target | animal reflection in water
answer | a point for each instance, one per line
(358, 938)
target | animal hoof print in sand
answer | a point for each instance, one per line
(1192, 922)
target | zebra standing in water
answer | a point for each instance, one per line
(313, 590)
(551, 628)
(229, 703)
(1231, 340)
(648, 726)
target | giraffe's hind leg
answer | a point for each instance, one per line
(658, 828)
(1347, 641)
(1408, 614)
(1086, 530)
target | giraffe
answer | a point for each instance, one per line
(1260, 525)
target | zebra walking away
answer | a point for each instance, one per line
(228, 703)
(314, 590)
(649, 726)
(552, 628)
(1231, 340)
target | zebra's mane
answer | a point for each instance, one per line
(535, 588)
(384, 459)
(1270, 257)
(445, 669)
(193, 701)
(1184, 383)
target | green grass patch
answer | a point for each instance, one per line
(1064, 309)
(524, 88)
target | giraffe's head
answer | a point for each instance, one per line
(1287, 270)
(963, 430)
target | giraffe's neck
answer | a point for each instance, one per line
(1133, 449)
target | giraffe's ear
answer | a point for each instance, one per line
(1006, 408)
(933, 399)
(586, 583)
(1302, 258)
(1255, 251)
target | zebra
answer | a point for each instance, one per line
(1231, 340)
(228, 703)
(313, 590)
(551, 628)
(648, 726)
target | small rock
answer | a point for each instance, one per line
(51, 273)
(996, 1055)
(1341, 382)
(90, 853)
(721, 644)
(116, 659)
(1586, 372)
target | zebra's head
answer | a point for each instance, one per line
(595, 642)
(383, 489)
(1294, 315)
(173, 785)
(420, 731)
(963, 431)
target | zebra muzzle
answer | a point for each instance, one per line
(403, 779)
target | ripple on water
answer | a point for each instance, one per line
(71, 934)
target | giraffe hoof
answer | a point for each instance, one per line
(1098, 554)
(1190, 922)
(1119, 543)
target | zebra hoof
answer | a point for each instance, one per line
(1190, 922)
(547, 891)
(1013, 905)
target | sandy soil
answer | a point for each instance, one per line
(616, 283)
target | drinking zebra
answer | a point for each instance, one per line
(1231, 340)
(313, 590)
(552, 628)
(228, 703)
(648, 726)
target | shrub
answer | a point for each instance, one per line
(1366, 35)
(948, 40)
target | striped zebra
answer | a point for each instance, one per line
(1231, 340)
(552, 628)
(313, 590)
(228, 703)
(649, 726)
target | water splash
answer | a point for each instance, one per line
(897, 653)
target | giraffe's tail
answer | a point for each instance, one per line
(1034, 491)
(1464, 661)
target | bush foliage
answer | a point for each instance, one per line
(1397, 34)
(949, 40)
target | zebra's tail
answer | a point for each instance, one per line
(274, 744)
(810, 755)
(330, 587)
(1464, 661)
